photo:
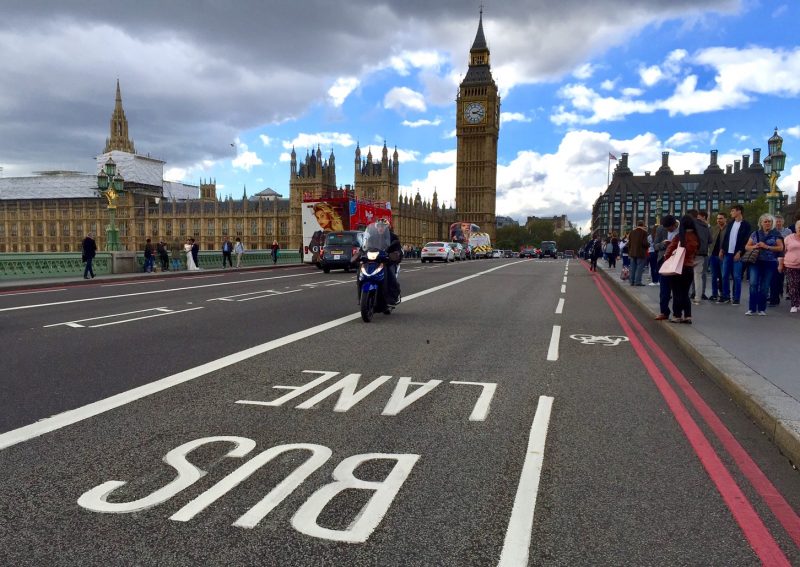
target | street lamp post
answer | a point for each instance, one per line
(658, 209)
(773, 165)
(110, 184)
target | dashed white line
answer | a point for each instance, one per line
(565, 279)
(518, 535)
(563, 288)
(560, 306)
(552, 351)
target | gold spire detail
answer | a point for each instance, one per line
(119, 129)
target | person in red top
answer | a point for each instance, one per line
(687, 238)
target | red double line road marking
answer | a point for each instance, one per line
(743, 512)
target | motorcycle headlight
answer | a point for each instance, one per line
(372, 255)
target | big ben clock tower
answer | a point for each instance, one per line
(477, 130)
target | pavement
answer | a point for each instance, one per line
(753, 358)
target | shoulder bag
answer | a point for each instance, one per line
(751, 256)
(673, 266)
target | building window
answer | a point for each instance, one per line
(196, 229)
(65, 229)
(268, 228)
(239, 228)
(93, 228)
(40, 229)
(224, 228)
(67, 248)
(211, 228)
(79, 229)
(183, 228)
(140, 229)
(253, 228)
(284, 227)
(168, 228)
(40, 247)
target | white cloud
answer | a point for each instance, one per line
(632, 92)
(403, 97)
(451, 134)
(651, 75)
(716, 134)
(794, 131)
(405, 156)
(423, 122)
(584, 72)
(246, 160)
(176, 174)
(441, 158)
(681, 139)
(608, 85)
(405, 61)
(304, 140)
(341, 89)
(285, 156)
(513, 117)
(266, 140)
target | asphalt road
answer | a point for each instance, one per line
(507, 413)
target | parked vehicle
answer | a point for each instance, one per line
(527, 252)
(437, 251)
(569, 253)
(481, 245)
(508, 254)
(548, 249)
(342, 250)
(497, 253)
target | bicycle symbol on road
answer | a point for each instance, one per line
(605, 340)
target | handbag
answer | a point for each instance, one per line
(673, 266)
(751, 256)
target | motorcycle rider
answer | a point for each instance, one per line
(395, 254)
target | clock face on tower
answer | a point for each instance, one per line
(474, 112)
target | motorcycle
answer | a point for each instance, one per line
(371, 275)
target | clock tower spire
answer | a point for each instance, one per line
(477, 131)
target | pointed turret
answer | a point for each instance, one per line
(480, 41)
(118, 140)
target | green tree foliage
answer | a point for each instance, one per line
(752, 210)
(515, 237)
(569, 240)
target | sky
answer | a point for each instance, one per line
(224, 90)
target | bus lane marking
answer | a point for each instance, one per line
(70, 417)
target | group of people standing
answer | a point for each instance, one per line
(770, 254)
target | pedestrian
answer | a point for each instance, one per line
(714, 259)
(637, 251)
(227, 250)
(736, 235)
(274, 251)
(789, 264)
(664, 235)
(238, 249)
(195, 250)
(652, 257)
(89, 250)
(175, 250)
(163, 255)
(149, 256)
(769, 243)
(688, 239)
(623, 252)
(778, 281)
(595, 251)
(701, 266)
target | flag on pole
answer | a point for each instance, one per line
(612, 156)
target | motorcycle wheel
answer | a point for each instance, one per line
(368, 306)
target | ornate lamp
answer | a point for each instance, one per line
(110, 184)
(773, 165)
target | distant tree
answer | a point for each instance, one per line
(511, 237)
(539, 230)
(752, 210)
(568, 240)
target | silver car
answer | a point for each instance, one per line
(459, 253)
(437, 251)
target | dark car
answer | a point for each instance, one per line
(527, 252)
(341, 250)
(548, 249)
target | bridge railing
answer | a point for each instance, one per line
(35, 265)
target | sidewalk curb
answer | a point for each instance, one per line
(777, 413)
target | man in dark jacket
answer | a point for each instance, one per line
(703, 232)
(737, 233)
(637, 251)
(664, 234)
(149, 256)
(89, 250)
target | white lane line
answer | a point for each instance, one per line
(133, 283)
(145, 317)
(270, 295)
(520, 526)
(560, 306)
(563, 288)
(153, 291)
(552, 351)
(70, 417)
(103, 317)
(6, 294)
(565, 279)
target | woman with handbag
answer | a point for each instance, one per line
(789, 264)
(680, 284)
(761, 254)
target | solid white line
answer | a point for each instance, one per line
(153, 291)
(103, 317)
(520, 526)
(552, 352)
(145, 317)
(563, 288)
(70, 417)
(270, 295)
(133, 283)
(560, 306)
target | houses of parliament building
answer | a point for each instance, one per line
(54, 210)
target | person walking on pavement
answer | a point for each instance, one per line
(789, 264)
(163, 255)
(195, 251)
(687, 238)
(175, 250)
(652, 257)
(714, 259)
(274, 251)
(778, 280)
(703, 233)
(595, 251)
(664, 235)
(769, 242)
(238, 249)
(227, 250)
(149, 256)
(637, 251)
(89, 248)
(733, 241)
